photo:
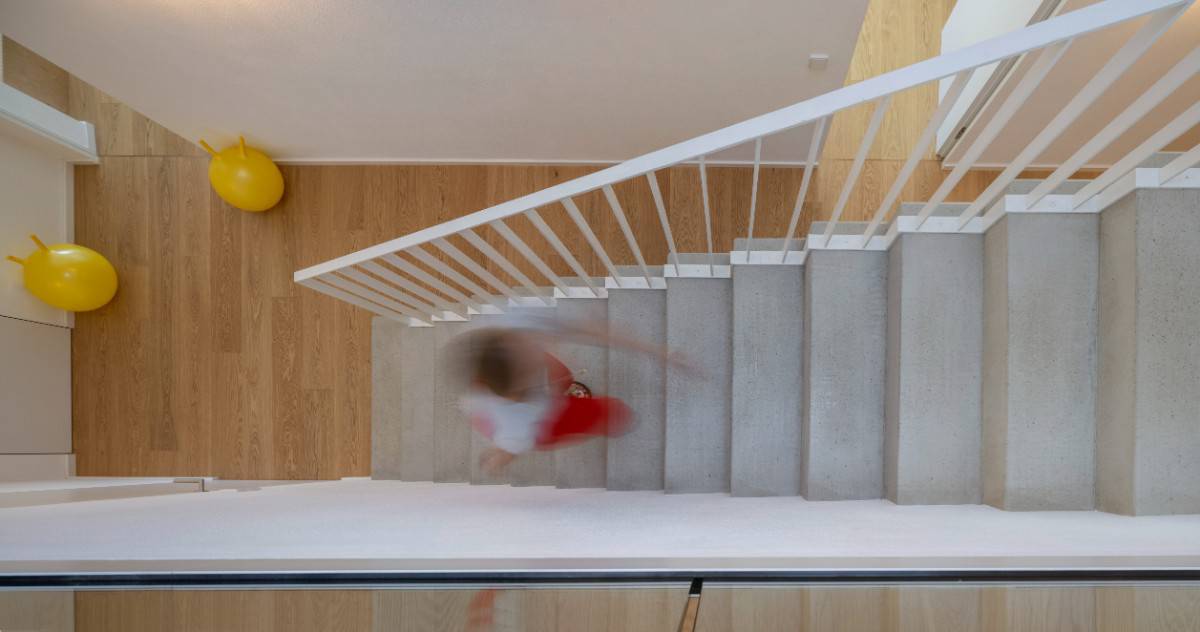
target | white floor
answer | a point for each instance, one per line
(356, 519)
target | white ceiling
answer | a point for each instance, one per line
(1079, 64)
(449, 80)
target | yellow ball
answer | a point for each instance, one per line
(69, 276)
(245, 177)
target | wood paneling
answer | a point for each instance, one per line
(211, 361)
(633, 609)
(637, 609)
(30, 73)
(961, 608)
(951, 608)
(40, 610)
(224, 610)
(895, 33)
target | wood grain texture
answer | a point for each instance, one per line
(210, 361)
(956, 608)
(640, 609)
(224, 610)
(40, 610)
(32, 74)
(895, 33)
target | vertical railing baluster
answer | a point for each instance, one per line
(623, 222)
(590, 236)
(753, 196)
(864, 148)
(652, 178)
(814, 146)
(707, 215)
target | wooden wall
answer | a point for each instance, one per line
(638, 609)
(210, 361)
(961, 608)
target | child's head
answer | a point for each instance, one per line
(502, 361)
(493, 362)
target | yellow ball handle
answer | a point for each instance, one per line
(40, 245)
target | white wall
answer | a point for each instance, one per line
(35, 197)
(35, 339)
(35, 388)
(971, 22)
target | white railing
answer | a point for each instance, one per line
(378, 279)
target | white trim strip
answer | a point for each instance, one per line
(70, 139)
(1181, 163)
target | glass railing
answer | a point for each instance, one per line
(664, 606)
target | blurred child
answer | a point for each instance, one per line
(523, 398)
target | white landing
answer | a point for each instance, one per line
(431, 527)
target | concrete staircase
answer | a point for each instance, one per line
(1047, 361)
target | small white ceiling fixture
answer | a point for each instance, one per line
(414, 80)
(818, 61)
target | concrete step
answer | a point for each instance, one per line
(935, 346)
(845, 327)
(387, 353)
(1039, 361)
(635, 460)
(698, 406)
(402, 382)
(451, 428)
(768, 342)
(584, 464)
(1148, 449)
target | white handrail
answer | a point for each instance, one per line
(1063, 28)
